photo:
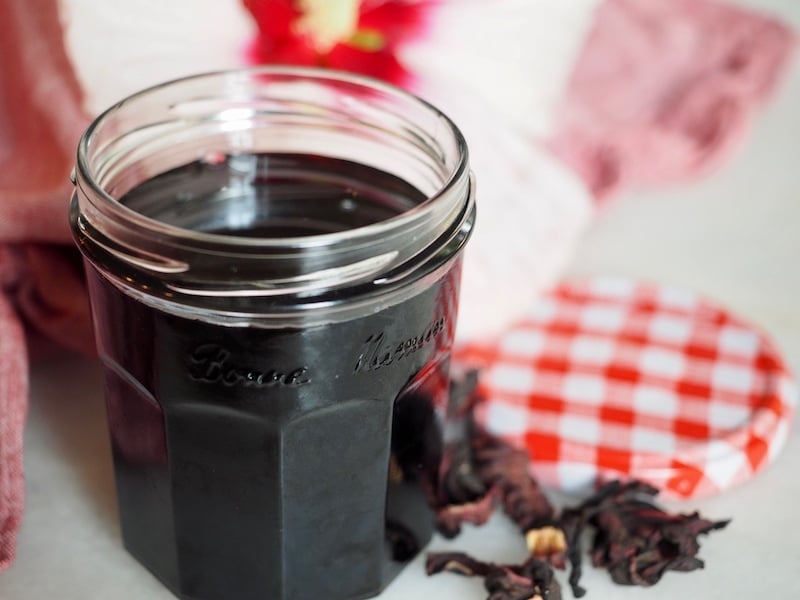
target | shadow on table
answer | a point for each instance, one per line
(68, 397)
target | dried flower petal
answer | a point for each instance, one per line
(506, 468)
(462, 496)
(506, 585)
(457, 562)
(533, 580)
(459, 482)
(450, 518)
(402, 541)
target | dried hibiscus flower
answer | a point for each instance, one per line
(506, 469)
(462, 495)
(450, 518)
(478, 469)
(532, 580)
(635, 541)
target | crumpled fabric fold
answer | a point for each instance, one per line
(664, 90)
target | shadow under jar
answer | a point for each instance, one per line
(273, 258)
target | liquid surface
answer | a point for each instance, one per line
(272, 195)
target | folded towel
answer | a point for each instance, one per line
(13, 400)
(665, 89)
(41, 286)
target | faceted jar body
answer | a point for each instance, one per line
(275, 397)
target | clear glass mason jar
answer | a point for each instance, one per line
(276, 356)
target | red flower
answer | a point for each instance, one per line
(368, 47)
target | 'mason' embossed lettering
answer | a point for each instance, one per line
(376, 352)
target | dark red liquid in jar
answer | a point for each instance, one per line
(267, 463)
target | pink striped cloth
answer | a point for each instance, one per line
(662, 90)
(41, 286)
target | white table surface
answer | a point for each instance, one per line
(734, 237)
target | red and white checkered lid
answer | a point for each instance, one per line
(608, 378)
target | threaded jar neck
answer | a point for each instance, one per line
(270, 110)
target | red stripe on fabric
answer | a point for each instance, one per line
(757, 452)
(692, 430)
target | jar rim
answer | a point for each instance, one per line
(86, 175)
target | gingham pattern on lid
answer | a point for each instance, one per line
(609, 378)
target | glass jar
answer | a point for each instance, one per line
(273, 258)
